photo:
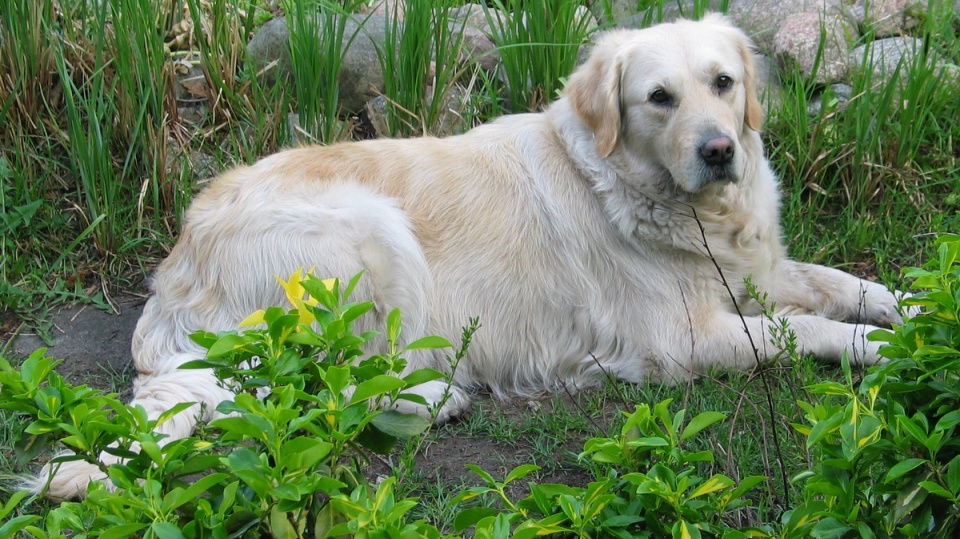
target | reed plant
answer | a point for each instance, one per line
(320, 34)
(539, 44)
(875, 171)
(420, 58)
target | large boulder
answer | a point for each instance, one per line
(361, 76)
(812, 40)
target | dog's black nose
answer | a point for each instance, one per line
(717, 150)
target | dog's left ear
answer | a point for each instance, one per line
(594, 92)
(753, 114)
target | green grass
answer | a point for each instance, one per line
(868, 182)
(88, 193)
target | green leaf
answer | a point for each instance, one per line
(304, 452)
(701, 422)
(830, 528)
(487, 478)
(393, 325)
(824, 428)
(950, 419)
(685, 530)
(11, 527)
(520, 472)
(469, 517)
(715, 483)
(429, 342)
(935, 488)
(378, 385)
(422, 376)
(902, 467)
(280, 526)
(122, 531)
(912, 428)
(166, 530)
(176, 409)
(286, 492)
(746, 484)
(655, 441)
(337, 378)
(953, 475)
(229, 343)
(240, 427)
(400, 424)
(356, 311)
(376, 440)
(865, 531)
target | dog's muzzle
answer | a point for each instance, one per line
(717, 153)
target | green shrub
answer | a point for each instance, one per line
(538, 43)
(651, 488)
(288, 464)
(887, 451)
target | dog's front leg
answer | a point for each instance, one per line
(833, 294)
(730, 341)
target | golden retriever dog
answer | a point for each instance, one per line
(608, 235)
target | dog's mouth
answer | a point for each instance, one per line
(725, 174)
(699, 177)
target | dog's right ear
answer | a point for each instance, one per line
(594, 92)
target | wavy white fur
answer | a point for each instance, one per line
(570, 233)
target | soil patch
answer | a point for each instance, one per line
(94, 345)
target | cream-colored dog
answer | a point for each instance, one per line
(587, 238)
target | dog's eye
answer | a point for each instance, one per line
(660, 97)
(724, 82)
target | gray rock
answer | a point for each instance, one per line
(479, 17)
(361, 77)
(839, 92)
(388, 8)
(471, 14)
(761, 19)
(477, 47)
(888, 17)
(884, 55)
(180, 158)
(797, 44)
(667, 12)
(453, 117)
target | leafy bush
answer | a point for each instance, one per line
(651, 488)
(285, 460)
(887, 448)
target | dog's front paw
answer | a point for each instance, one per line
(879, 306)
(862, 351)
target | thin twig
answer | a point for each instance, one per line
(756, 354)
(576, 402)
(613, 381)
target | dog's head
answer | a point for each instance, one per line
(681, 96)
